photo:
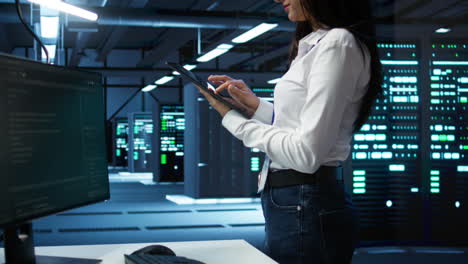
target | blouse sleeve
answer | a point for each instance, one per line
(331, 81)
(264, 112)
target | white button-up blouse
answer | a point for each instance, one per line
(315, 105)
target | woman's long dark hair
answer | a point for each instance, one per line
(356, 17)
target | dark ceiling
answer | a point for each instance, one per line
(164, 29)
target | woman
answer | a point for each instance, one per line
(327, 93)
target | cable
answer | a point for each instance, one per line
(20, 15)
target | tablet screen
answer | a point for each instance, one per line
(208, 87)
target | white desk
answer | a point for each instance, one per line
(210, 252)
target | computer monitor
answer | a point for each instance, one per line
(52, 146)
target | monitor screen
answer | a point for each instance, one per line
(52, 140)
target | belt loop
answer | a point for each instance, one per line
(339, 173)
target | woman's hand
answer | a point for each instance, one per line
(239, 91)
(217, 105)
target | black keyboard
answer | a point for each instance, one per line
(158, 259)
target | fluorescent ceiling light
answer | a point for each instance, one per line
(164, 80)
(49, 26)
(67, 8)
(254, 32)
(443, 30)
(148, 88)
(51, 50)
(221, 49)
(188, 67)
(274, 81)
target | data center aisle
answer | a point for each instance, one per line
(140, 213)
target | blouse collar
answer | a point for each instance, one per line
(313, 37)
(309, 41)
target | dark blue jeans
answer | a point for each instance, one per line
(309, 223)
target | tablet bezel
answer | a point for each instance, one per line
(199, 83)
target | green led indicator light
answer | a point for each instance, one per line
(359, 179)
(163, 159)
(359, 185)
(396, 167)
(118, 153)
(435, 178)
(464, 100)
(435, 184)
(435, 190)
(135, 155)
(435, 172)
(443, 137)
(359, 172)
(359, 191)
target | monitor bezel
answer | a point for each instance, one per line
(27, 219)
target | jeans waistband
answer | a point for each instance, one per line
(282, 178)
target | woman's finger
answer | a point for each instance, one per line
(237, 94)
(238, 83)
(217, 82)
(219, 78)
(234, 92)
(222, 87)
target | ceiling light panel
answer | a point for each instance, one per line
(220, 50)
(254, 32)
(149, 88)
(164, 80)
(67, 8)
(49, 27)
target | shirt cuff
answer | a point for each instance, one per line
(232, 121)
(264, 112)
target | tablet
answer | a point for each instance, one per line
(205, 85)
